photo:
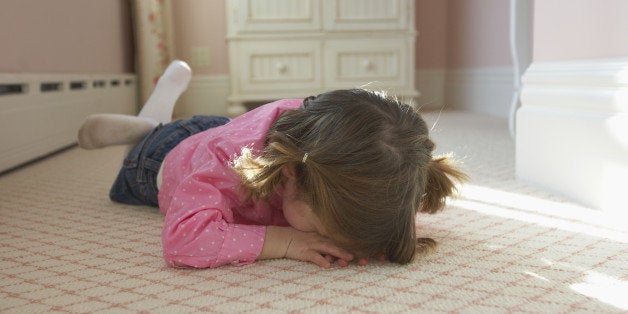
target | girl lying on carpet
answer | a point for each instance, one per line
(327, 179)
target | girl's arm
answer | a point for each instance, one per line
(288, 242)
(200, 237)
(204, 239)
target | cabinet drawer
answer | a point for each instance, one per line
(367, 14)
(377, 62)
(279, 65)
(273, 15)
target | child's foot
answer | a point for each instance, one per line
(100, 130)
(170, 86)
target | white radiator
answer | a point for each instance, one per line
(41, 113)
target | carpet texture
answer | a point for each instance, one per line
(504, 246)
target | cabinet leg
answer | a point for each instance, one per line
(235, 109)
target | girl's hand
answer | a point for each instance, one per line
(312, 247)
(362, 261)
(304, 246)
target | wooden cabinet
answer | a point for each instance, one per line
(288, 48)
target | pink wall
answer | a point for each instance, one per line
(96, 36)
(478, 32)
(580, 29)
(431, 44)
(201, 24)
(462, 33)
(66, 36)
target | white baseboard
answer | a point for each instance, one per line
(206, 95)
(431, 84)
(486, 90)
(482, 90)
(572, 130)
(41, 113)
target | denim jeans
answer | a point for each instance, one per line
(136, 182)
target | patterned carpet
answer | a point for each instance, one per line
(504, 247)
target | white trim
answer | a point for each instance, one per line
(572, 130)
(35, 122)
(591, 85)
(206, 95)
(431, 83)
(520, 39)
(588, 72)
(485, 90)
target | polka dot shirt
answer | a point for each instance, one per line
(207, 223)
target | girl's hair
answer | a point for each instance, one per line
(363, 164)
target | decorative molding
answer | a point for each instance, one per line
(587, 72)
(431, 84)
(590, 85)
(486, 90)
(206, 95)
(520, 42)
(572, 130)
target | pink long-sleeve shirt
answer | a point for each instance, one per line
(207, 223)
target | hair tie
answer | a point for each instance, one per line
(304, 157)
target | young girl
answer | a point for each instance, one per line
(327, 179)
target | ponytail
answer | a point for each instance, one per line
(425, 246)
(260, 175)
(439, 184)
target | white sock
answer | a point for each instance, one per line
(100, 130)
(170, 86)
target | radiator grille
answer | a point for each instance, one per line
(40, 113)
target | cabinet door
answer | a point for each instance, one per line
(366, 15)
(370, 63)
(273, 15)
(270, 65)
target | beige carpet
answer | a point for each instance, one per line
(504, 247)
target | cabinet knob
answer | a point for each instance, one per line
(368, 64)
(281, 67)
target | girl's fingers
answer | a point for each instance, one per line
(333, 250)
(330, 253)
(363, 261)
(343, 263)
(319, 260)
(330, 258)
(312, 247)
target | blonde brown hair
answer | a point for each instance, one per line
(368, 169)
